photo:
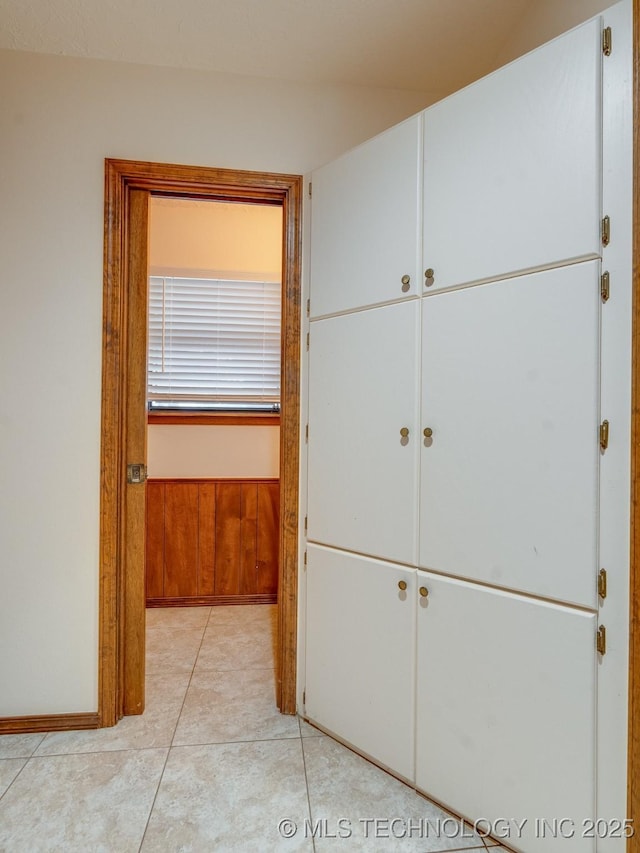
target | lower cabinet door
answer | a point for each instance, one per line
(506, 708)
(360, 654)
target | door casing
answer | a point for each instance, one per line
(121, 640)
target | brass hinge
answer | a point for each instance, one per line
(306, 434)
(310, 189)
(606, 231)
(308, 337)
(605, 286)
(604, 435)
(602, 583)
(308, 307)
(305, 559)
(601, 640)
(606, 41)
(306, 523)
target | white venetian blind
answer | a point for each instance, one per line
(213, 344)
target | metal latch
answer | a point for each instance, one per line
(136, 473)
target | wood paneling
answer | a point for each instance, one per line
(121, 176)
(268, 534)
(212, 541)
(155, 541)
(228, 538)
(207, 539)
(180, 539)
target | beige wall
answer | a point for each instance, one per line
(544, 20)
(215, 239)
(60, 118)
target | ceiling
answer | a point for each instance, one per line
(423, 45)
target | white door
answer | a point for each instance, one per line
(510, 388)
(366, 224)
(363, 471)
(505, 721)
(512, 173)
(360, 654)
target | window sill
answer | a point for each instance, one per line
(214, 418)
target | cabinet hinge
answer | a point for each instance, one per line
(606, 231)
(308, 337)
(306, 434)
(601, 640)
(310, 189)
(602, 583)
(305, 559)
(604, 435)
(605, 286)
(606, 41)
(308, 307)
(306, 523)
(304, 698)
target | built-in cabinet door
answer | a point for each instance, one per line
(505, 720)
(363, 436)
(512, 165)
(510, 389)
(360, 654)
(365, 226)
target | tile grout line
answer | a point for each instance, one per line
(166, 760)
(306, 782)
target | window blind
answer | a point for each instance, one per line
(213, 344)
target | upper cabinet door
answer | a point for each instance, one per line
(363, 441)
(512, 166)
(365, 228)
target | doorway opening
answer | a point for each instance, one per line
(129, 187)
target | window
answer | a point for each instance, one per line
(214, 345)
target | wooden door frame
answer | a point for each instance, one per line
(121, 177)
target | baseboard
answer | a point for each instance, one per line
(48, 723)
(212, 600)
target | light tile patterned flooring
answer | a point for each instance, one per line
(210, 766)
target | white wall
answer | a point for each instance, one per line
(60, 118)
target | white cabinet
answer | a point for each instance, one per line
(366, 223)
(510, 387)
(363, 472)
(512, 169)
(360, 654)
(501, 512)
(506, 708)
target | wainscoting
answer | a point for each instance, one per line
(212, 541)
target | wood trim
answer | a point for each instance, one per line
(212, 600)
(121, 177)
(196, 480)
(49, 723)
(633, 770)
(212, 419)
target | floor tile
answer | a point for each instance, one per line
(378, 811)
(172, 649)
(98, 802)
(177, 617)
(9, 769)
(264, 614)
(230, 797)
(154, 728)
(19, 746)
(232, 645)
(307, 730)
(233, 706)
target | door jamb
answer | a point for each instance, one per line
(121, 176)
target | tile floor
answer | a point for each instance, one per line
(210, 766)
